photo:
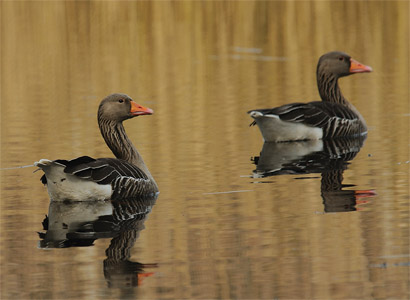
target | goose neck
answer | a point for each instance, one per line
(329, 88)
(117, 140)
(329, 91)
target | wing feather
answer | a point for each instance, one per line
(126, 179)
(335, 119)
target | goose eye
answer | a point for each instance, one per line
(341, 58)
(121, 100)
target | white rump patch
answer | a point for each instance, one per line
(274, 129)
(66, 187)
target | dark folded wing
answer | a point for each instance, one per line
(102, 170)
(126, 179)
(335, 119)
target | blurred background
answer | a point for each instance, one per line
(215, 230)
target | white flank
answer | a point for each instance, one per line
(273, 129)
(66, 187)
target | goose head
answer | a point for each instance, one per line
(120, 107)
(338, 64)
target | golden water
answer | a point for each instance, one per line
(214, 231)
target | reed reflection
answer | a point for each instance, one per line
(77, 224)
(330, 158)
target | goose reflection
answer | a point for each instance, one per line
(330, 158)
(76, 224)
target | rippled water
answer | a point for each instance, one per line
(235, 218)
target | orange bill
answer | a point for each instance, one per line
(356, 67)
(138, 110)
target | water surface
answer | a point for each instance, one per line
(216, 230)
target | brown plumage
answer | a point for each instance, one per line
(332, 117)
(86, 178)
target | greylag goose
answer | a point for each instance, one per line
(332, 117)
(86, 178)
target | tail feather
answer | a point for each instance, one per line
(43, 164)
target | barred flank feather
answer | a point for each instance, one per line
(126, 180)
(335, 119)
